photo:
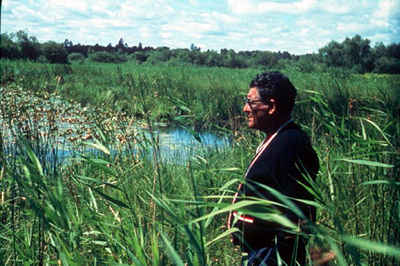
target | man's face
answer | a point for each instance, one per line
(258, 112)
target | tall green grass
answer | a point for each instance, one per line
(129, 209)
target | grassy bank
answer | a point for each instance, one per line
(128, 209)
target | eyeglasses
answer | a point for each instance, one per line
(251, 102)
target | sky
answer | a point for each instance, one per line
(296, 26)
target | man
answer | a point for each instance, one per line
(281, 162)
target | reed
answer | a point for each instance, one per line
(119, 206)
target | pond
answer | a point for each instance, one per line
(175, 145)
(180, 144)
(63, 127)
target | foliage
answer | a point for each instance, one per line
(389, 65)
(355, 54)
(29, 45)
(76, 57)
(106, 57)
(8, 48)
(54, 52)
(124, 205)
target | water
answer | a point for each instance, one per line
(179, 144)
(176, 145)
(75, 122)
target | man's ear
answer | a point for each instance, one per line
(272, 106)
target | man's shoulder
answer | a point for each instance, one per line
(293, 134)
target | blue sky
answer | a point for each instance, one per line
(297, 26)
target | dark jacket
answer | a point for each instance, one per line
(281, 165)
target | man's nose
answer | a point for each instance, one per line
(246, 108)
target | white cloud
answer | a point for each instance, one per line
(223, 18)
(145, 32)
(262, 40)
(380, 37)
(386, 9)
(189, 27)
(81, 6)
(297, 26)
(336, 6)
(304, 32)
(351, 27)
(241, 6)
(239, 36)
(262, 7)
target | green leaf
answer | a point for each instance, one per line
(34, 159)
(93, 199)
(99, 161)
(384, 182)
(368, 163)
(379, 129)
(98, 182)
(224, 234)
(372, 246)
(64, 258)
(284, 199)
(98, 146)
(165, 207)
(134, 240)
(100, 243)
(176, 259)
(155, 250)
(229, 183)
(229, 169)
(234, 207)
(115, 201)
(274, 218)
(194, 241)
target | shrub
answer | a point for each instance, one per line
(55, 52)
(388, 65)
(107, 57)
(42, 59)
(76, 57)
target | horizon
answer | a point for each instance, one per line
(298, 27)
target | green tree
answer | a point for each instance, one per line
(393, 50)
(106, 57)
(160, 54)
(357, 52)
(68, 43)
(388, 65)
(55, 52)
(194, 48)
(265, 58)
(140, 56)
(213, 58)
(76, 57)
(333, 54)
(8, 48)
(29, 45)
(231, 59)
(379, 50)
(353, 53)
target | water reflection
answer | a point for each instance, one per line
(176, 145)
(180, 144)
(57, 129)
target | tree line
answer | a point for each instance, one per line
(355, 54)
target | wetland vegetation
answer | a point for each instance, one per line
(120, 206)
